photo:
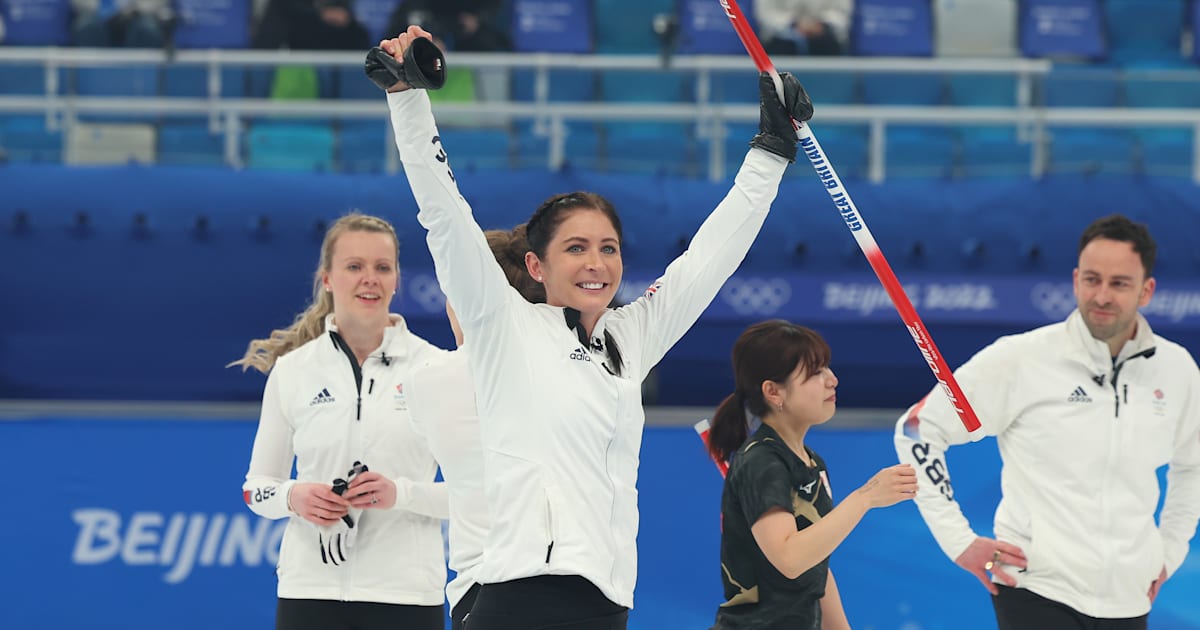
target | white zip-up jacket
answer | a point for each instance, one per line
(314, 411)
(442, 401)
(1080, 436)
(561, 434)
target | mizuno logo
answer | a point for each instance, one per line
(1079, 396)
(321, 398)
(808, 487)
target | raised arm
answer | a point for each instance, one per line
(466, 269)
(692, 281)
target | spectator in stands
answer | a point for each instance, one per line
(464, 25)
(1085, 412)
(558, 384)
(803, 27)
(121, 23)
(364, 492)
(310, 25)
(778, 523)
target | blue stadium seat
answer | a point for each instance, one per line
(625, 27)
(207, 24)
(846, 148)
(921, 152)
(192, 82)
(1085, 150)
(351, 83)
(735, 86)
(982, 90)
(117, 82)
(25, 79)
(190, 143)
(832, 88)
(892, 28)
(478, 149)
(113, 81)
(559, 26)
(1177, 88)
(664, 148)
(26, 139)
(564, 85)
(1061, 28)
(36, 22)
(1145, 30)
(903, 89)
(292, 146)
(1166, 151)
(704, 29)
(1082, 86)
(363, 145)
(993, 152)
(582, 148)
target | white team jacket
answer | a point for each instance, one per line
(1081, 439)
(442, 401)
(309, 413)
(561, 435)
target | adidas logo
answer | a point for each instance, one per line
(1079, 396)
(581, 354)
(321, 398)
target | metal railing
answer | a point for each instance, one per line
(227, 115)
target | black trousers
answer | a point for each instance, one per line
(545, 602)
(1022, 609)
(325, 614)
(463, 607)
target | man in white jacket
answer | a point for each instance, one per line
(1084, 412)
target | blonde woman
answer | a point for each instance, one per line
(363, 549)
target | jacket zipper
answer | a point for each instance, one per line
(358, 376)
(549, 528)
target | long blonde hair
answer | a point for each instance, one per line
(310, 323)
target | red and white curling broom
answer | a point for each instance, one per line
(858, 227)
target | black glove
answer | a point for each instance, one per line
(424, 66)
(775, 131)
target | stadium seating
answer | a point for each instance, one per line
(1144, 30)
(207, 24)
(36, 22)
(893, 28)
(559, 26)
(1062, 28)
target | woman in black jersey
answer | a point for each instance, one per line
(778, 522)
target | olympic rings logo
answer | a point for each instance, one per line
(756, 296)
(425, 289)
(1053, 299)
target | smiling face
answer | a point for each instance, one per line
(582, 264)
(1110, 286)
(362, 278)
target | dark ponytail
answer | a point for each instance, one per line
(728, 429)
(766, 351)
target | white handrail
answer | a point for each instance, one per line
(226, 114)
